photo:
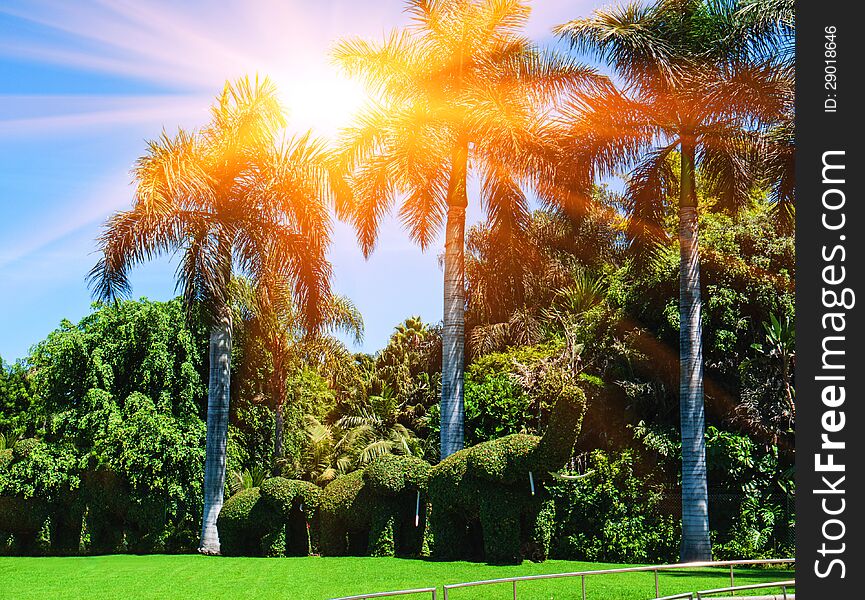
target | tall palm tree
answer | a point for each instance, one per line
(277, 324)
(460, 90)
(225, 198)
(689, 87)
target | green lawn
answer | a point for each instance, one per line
(192, 576)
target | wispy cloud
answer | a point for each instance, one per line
(57, 114)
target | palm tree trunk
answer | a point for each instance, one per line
(217, 431)
(695, 499)
(277, 393)
(453, 337)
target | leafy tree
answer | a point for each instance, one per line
(158, 458)
(460, 88)
(690, 85)
(496, 406)
(508, 303)
(226, 198)
(412, 348)
(351, 443)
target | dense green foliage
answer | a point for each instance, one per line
(612, 514)
(103, 433)
(276, 519)
(112, 431)
(572, 333)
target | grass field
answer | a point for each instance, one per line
(313, 578)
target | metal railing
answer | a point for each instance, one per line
(754, 586)
(427, 590)
(583, 575)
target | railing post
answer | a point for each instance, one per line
(515, 589)
(446, 592)
(784, 591)
(583, 578)
(657, 587)
(434, 594)
(732, 581)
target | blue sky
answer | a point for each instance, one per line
(83, 84)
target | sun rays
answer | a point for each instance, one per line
(180, 56)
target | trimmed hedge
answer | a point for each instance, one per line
(489, 484)
(373, 511)
(242, 523)
(107, 501)
(38, 511)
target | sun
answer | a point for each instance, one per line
(322, 101)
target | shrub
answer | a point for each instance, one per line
(346, 506)
(391, 474)
(107, 500)
(243, 522)
(296, 504)
(495, 406)
(24, 519)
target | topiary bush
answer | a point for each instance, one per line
(490, 485)
(276, 519)
(242, 523)
(36, 480)
(380, 510)
(107, 500)
(296, 504)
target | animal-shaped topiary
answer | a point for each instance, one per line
(499, 485)
(277, 519)
(377, 510)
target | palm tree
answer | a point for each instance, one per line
(225, 198)
(277, 324)
(460, 90)
(688, 87)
